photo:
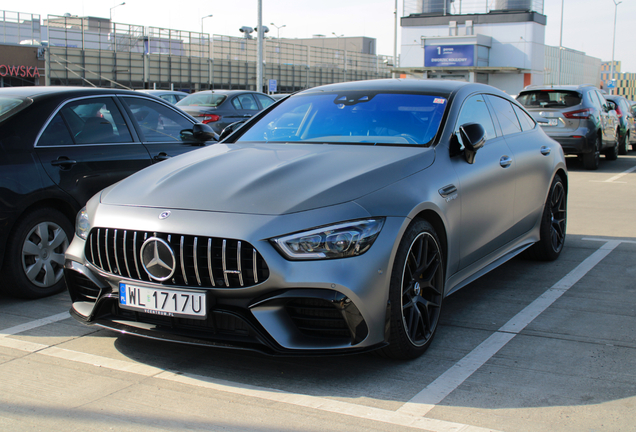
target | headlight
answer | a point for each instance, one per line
(337, 241)
(82, 225)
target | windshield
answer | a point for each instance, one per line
(10, 105)
(549, 99)
(202, 99)
(354, 117)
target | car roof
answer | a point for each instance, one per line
(568, 87)
(225, 92)
(152, 92)
(34, 91)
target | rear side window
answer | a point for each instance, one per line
(527, 122)
(264, 100)
(549, 99)
(11, 105)
(157, 122)
(506, 115)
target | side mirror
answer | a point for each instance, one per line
(203, 133)
(229, 129)
(474, 137)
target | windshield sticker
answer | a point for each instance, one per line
(439, 101)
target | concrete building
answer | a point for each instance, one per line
(499, 42)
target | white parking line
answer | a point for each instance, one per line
(617, 176)
(34, 324)
(446, 383)
(411, 414)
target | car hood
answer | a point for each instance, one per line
(271, 179)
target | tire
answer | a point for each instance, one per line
(34, 259)
(416, 292)
(612, 152)
(591, 160)
(553, 224)
(623, 145)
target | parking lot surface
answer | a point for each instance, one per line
(529, 347)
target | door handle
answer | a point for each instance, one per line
(545, 150)
(160, 157)
(63, 162)
(447, 190)
(505, 161)
(247, 115)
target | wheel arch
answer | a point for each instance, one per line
(436, 221)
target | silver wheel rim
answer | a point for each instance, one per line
(422, 287)
(43, 254)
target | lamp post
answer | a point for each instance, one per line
(278, 29)
(614, 44)
(345, 54)
(111, 10)
(202, 18)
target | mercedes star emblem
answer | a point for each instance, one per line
(158, 259)
(164, 215)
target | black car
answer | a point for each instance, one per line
(58, 147)
(626, 122)
(576, 116)
(219, 108)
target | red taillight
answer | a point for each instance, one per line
(209, 118)
(579, 114)
(619, 113)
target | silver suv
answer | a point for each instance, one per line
(576, 116)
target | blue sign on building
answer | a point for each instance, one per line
(449, 55)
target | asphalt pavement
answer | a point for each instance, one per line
(529, 347)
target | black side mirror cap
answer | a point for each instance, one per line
(203, 132)
(474, 137)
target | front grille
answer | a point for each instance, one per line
(317, 317)
(205, 262)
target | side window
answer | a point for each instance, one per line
(56, 133)
(95, 121)
(169, 98)
(527, 122)
(506, 115)
(475, 110)
(247, 102)
(236, 103)
(264, 100)
(601, 99)
(594, 100)
(157, 122)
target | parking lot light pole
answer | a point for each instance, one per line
(111, 10)
(202, 18)
(614, 44)
(278, 37)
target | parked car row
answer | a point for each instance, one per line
(583, 120)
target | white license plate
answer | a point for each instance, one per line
(552, 122)
(166, 302)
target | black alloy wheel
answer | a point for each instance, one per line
(416, 292)
(553, 224)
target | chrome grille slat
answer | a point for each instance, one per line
(198, 258)
(210, 271)
(183, 270)
(227, 283)
(196, 264)
(126, 254)
(254, 268)
(117, 267)
(110, 269)
(135, 255)
(238, 262)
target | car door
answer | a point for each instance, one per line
(534, 158)
(87, 145)
(486, 187)
(608, 124)
(160, 127)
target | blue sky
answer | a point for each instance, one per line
(588, 24)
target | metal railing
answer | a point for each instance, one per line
(459, 7)
(20, 28)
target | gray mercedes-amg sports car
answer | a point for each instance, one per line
(335, 221)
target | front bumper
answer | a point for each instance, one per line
(303, 308)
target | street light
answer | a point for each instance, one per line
(278, 29)
(111, 9)
(345, 54)
(614, 44)
(202, 18)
